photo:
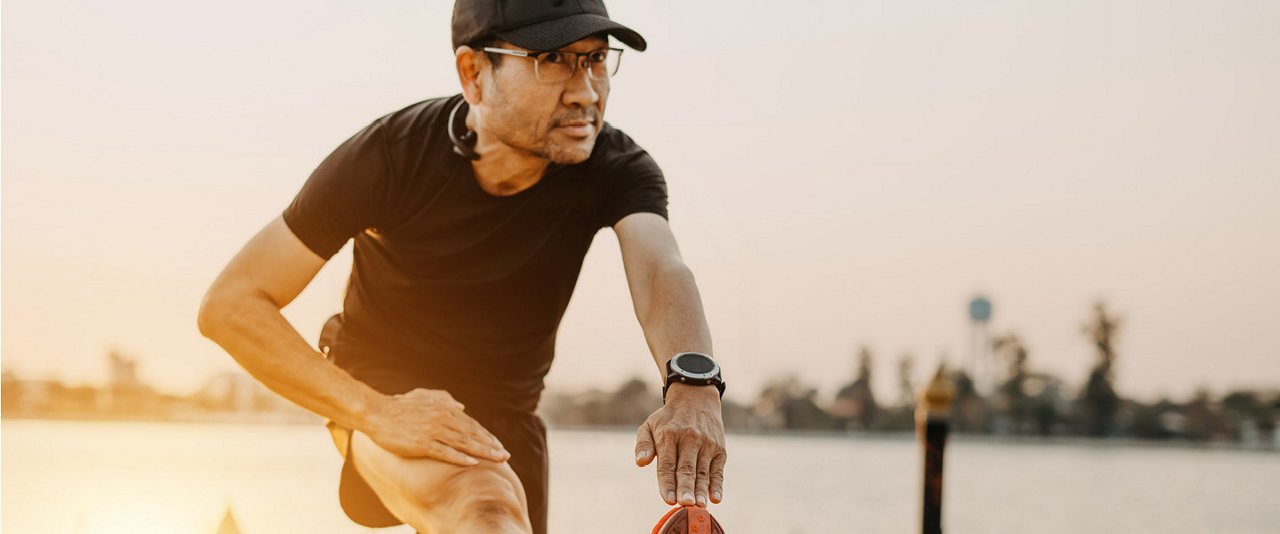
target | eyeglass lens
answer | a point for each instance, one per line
(555, 66)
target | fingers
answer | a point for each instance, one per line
(703, 479)
(469, 445)
(690, 456)
(468, 435)
(644, 445)
(686, 472)
(449, 454)
(666, 455)
(465, 424)
(717, 477)
(457, 429)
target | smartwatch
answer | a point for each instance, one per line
(694, 369)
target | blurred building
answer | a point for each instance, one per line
(125, 395)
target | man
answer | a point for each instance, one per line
(471, 216)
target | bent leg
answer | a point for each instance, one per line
(438, 497)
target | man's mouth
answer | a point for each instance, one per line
(581, 128)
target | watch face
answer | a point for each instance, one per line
(695, 365)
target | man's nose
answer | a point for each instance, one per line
(580, 89)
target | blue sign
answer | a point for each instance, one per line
(980, 309)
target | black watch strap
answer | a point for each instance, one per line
(675, 378)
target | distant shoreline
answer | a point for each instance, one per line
(967, 438)
(1058, 441)
(265, 418)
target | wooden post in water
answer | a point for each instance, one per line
(933, 422)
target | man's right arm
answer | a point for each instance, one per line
(241, 312)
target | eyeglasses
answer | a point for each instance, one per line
(555, 66)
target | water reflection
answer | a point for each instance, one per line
(78, 477)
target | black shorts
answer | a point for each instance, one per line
(522, 433)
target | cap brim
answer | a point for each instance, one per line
(553, 34)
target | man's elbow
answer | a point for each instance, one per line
(672, 270)
(217, 311)
(665, 279)
(209, 318)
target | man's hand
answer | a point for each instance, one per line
(430, 423)
(689, 436)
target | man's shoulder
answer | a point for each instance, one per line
(613, 144)
(416, 120)
(611, 137)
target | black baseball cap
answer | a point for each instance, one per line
(537, 24)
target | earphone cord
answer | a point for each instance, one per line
(462, 146)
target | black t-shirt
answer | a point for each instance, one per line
(451, 287)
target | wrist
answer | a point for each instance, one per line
(678, 392)
(367, 411)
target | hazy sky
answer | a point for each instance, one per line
(842, 173)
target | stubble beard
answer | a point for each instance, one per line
(573, 151)
(548, 145)
(567, 155)
(544, 143)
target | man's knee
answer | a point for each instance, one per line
(487, 497)
(491, 513)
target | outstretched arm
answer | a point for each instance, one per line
(686, 435)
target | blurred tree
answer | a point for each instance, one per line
(1045, 407)
(789, 404)
(1245, 403)
(1201, 423)
(969, 411)
(11, 392)
(855, 405)
(1101, 403)
(906, 392)
(1013, 390)
(1249, 413)
(627, 406)
(632, 403)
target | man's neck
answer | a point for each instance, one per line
(503, 170)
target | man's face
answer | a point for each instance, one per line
(557, 121)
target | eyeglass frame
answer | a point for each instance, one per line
(577, 59)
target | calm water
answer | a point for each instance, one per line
(175, 478)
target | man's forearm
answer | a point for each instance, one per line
(673, 319)
(255, 333)
(686, 435)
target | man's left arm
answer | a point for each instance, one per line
(686, 435)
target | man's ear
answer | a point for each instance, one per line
(469, 63)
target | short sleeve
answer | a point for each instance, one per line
(344, 195)
(636, 185)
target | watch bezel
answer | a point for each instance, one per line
(675, 366)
